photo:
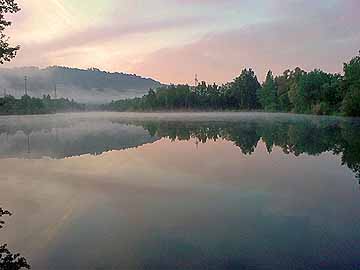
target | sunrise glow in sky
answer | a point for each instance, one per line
(171, 40)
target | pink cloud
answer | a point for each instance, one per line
(302, 33)
(43, 53)
(115, 31)
(319, 42)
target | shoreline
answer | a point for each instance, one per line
(158, 115)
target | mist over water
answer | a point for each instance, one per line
(87, 96)
(60, 137)
(178, 190)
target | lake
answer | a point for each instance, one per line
(181, 191)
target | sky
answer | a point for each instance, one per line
(172, 40)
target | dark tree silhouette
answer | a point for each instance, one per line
(8, 260)
(3, 213)
(7, 52)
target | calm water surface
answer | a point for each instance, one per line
(181, 191)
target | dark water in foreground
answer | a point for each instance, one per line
(179, 191)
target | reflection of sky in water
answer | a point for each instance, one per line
(177, 205)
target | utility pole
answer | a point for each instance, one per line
(5, 92)
(55, 90)
(25, 85)
(196, 80)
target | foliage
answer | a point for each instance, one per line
(351, 102)
(9, 261)
(288, 88)
(6, 51)
(3, 213)
(30, 105)
(315, 92)
(352, 72)
(268, 94)
(243, 90)
(351, 87)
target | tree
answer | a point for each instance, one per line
(214, 96)
(151, 99)
(9, 261)
(3, 213)
(352, 72)
(7, 52)
(244, 90)
(351, 102)
(308, 94)
(287, 87)
(331, 93)
(267, 94)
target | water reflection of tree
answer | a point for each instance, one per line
(8, 260)
(297, 137)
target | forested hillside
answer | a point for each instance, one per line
(89, 85)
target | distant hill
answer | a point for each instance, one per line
(84, 85)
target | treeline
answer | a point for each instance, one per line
(314, 92)
(30, 105)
